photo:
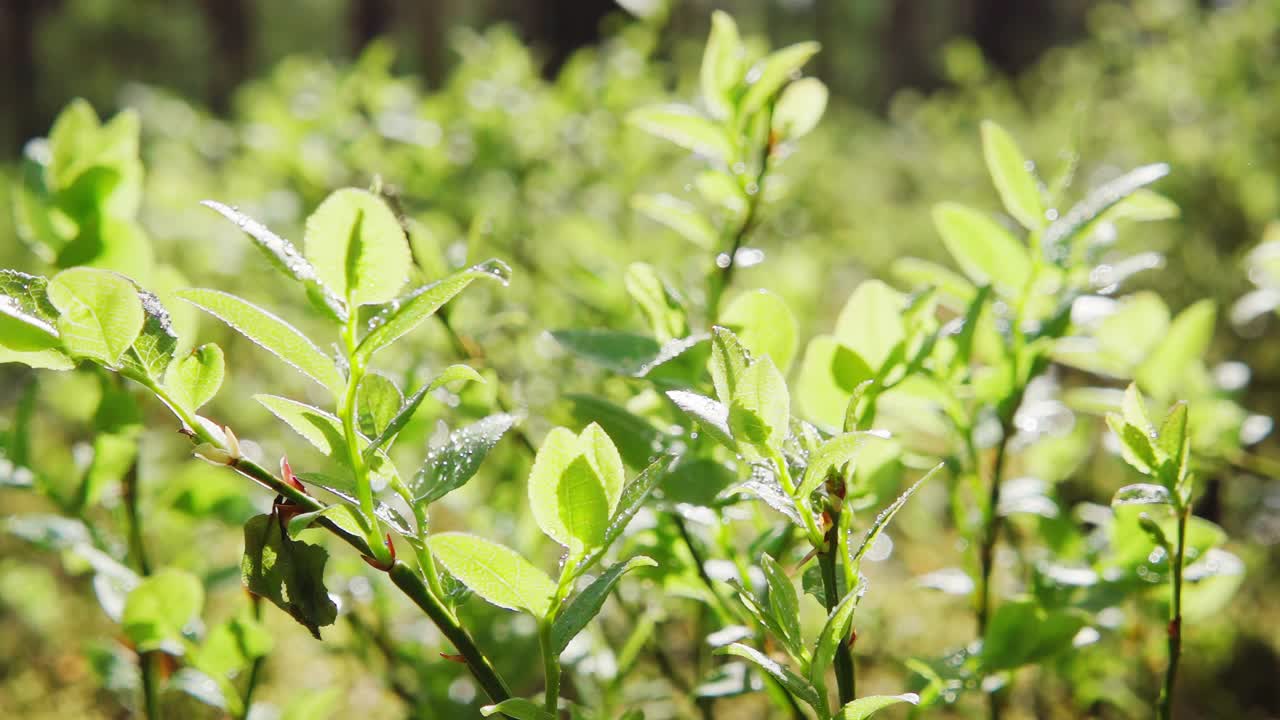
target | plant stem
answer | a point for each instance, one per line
(1175, 618)
(348, 410)
(846, 678)
(406, 578)
(991, 533)
(719, 281)
(255, 669)
(550, 666)
(138, 553)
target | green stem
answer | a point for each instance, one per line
(147, 661)
(255, 669)
(802, 506)
(550, 666)
(348, 410)
(846, 678)
(1175, 618)
(406, 578)
(722, 277)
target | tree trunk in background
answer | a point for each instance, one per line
(559, 28)
(17, 38)
(229, 24)
(370, 19)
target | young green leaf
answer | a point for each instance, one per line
(1063, 230)
(767, 77)
(831, 455)
(629, 503)
(986, 252)
(1013, 177)
(638, 440)
(661, 305)
(729, 361)
(157, 610)
(1135, 445)
(358, 247)
(711, 416)
(517, 708)
(286, 258)
(567, 486)
(324, 431)
(570, 621)
(679, 216)
(761, 411)
(834, 631)
(882, 520)
(100, 314)
(865, 707)
(721, 70)
(451, 374)
(1175, 442)
(769, 621)
(799, 108)
(783, 602)
(269, 332)
(871, 322)
(379, 400)
(794, 684)
(153, 350)
(494, 572)
(682, 126)
(1166, 368)
(406, 313)
(450, 465)
(287, 572)
(764, 326)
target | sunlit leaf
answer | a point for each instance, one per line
(494, 572)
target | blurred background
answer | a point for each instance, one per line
(499, 125)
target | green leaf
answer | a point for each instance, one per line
(270, 333)
(1135, 445)
(1175, 442)
(761, 410)
(794, 684)
(451, 374)
(1021, 632)
(450, 465)
(661, 304)
(865, 707)
(721, 70)
(711, 416)
(158, 609)
(768, 621)
(784, 605)
(286, 258)
(1013, 177)
(767, 77)
(287, 572)
(729, 361)
(882, 520)
(764, 325)
(28, 332)
(831, 455)
(871, 322)
(358, 247)
(834, 631)
(1134, 411)
(1183, 347)
(623, 353)
(638, 440)
(575, 616)
(986, 252)
(829, 374)
(679, 216)
(379, 400)
(682, 126)
(193, 380)
(1063, 230)
(1142, 494)
(494, 572)
(324, 431)
(573, 486)
(100, 313)
(517, 708)
(155, 346)
(410, 311)
(630, 501)
(799, 108)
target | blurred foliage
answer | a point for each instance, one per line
(498, 160)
